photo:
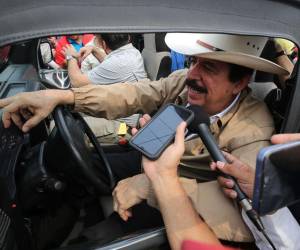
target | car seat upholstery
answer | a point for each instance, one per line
(266, 88)
(156, 55)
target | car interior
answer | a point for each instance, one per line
(51, 172)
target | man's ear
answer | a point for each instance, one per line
(241, 84)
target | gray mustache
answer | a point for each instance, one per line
(193, 84)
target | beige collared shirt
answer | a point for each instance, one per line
(242, 131)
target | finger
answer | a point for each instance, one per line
(16, 118)
(225, 183)
(213, 166)
(229, 193)
(128, 213)
(6, 119)
(134, 131)
(142, 122)
(6, 101)
(32, 122)
(229, 169)
(179, 137)
(115, 204)
(123, 214)
(9, 110)
(229, 157)
(283, 138)
(147, 117)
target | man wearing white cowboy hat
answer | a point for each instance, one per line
(217, 81)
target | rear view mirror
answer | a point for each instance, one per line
(46, 52)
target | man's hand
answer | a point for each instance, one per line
(166, 165)
(32, 107)
(70, 50)
(142, 121)
(98, 52)
(243, 173)
(85, 51)
(129, 192)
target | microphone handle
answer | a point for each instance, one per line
(212, 147)
(216, 154)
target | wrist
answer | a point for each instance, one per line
(70, 57)
(164, 181)
(63, 97)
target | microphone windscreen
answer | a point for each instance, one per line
(199, 117)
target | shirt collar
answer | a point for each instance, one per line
(124, 47)
(215, 117)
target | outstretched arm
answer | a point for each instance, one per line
(181, 219)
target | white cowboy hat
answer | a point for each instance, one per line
(236, 49)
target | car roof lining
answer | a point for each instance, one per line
(22, 20)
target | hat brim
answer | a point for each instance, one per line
(246, 60)
(187, 44)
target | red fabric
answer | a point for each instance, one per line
(194, 245)
(4, 52)
(63, 41)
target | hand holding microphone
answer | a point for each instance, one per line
(200, 126)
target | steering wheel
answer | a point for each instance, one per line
(72, 129)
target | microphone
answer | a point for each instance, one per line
(200, 126)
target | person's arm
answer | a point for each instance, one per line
(181, 220)
(32, 106)
(124, 99)
(110, 102)
(99, 53)
(77, 78)
(281, 226)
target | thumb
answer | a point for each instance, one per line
(179, 137)
(230, 169)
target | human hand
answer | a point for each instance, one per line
(32, 107)
(283, 138)
(142, 121)
(243, 174)
(166, 165)
(85, 51)
(129, 192)
(70, 50)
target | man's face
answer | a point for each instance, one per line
(209, 86)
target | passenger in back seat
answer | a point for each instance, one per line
(119, 61)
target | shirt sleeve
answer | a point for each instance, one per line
(124, 99)
(281, 227)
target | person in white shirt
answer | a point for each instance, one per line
(119, 61)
